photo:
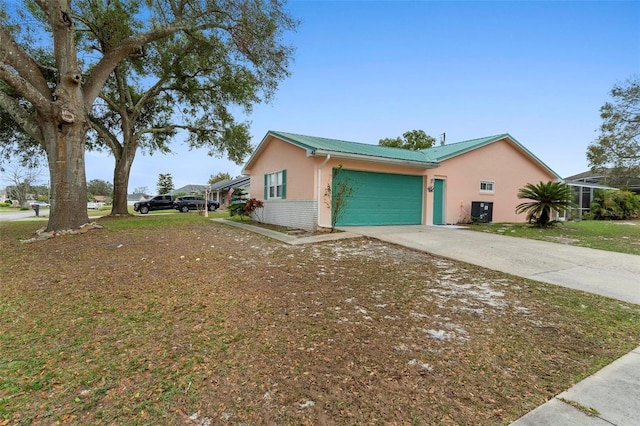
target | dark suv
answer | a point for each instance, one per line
(189, 202)
(159, 202)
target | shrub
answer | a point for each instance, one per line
(241, 207)
(251, 206)
(615, 205)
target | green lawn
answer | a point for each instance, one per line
(618, 236)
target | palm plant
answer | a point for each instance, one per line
(545, 197)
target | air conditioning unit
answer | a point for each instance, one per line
(482, 211)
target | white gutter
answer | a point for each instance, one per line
(320, 188)
(380, 160)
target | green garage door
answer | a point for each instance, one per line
(381, 199)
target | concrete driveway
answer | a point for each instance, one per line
(614, 275)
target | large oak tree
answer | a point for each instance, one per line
(134, 73)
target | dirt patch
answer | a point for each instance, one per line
(209, 324)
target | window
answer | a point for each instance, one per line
(487, 186)
(275, 185)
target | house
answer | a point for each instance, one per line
(135, 197)
(221, 191)
(446, 184)
(188, 190)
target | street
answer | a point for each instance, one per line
(23, 214)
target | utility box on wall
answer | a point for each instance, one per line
(482, 211)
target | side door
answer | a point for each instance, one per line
(167, 202)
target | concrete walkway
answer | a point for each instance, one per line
(609, 397)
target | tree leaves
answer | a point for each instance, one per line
(546, 197)
(617, 149)
(413, 140)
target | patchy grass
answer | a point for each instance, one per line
(175, 319)
(618, 236)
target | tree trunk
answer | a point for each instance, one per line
(545, 217)
(67, 173)
(121, 175)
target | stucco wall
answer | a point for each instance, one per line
(500, 162)
(277, 156)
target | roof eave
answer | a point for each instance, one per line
(372, 159)
(532, 156)
(588, 185)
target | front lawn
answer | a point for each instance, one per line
(177, 319)
(619, 236)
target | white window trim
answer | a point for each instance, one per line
(488, 191)
(275, 187)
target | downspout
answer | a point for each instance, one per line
(320, 187)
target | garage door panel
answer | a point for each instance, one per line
(382, 199)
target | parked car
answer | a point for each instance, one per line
(40, 204)
(189, 202)
(159, 202)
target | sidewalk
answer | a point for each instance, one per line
(614, 392)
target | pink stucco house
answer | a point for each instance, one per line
(445, 184)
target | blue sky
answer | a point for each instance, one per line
(367, 70)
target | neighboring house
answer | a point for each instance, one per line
(221, 191)
(189, 190)
(135, 197)
(600, 180)
(439, 185)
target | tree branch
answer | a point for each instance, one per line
(156, 89)
(106, 135)
(24, 89)
(110, 60)
(13, 56)
(167, 129)
(21, 117)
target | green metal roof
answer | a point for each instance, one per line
(428, 158)
(316, 145)
(443, 152)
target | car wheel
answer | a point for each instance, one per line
(144, 209)
(212, 208)
(184, 209)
